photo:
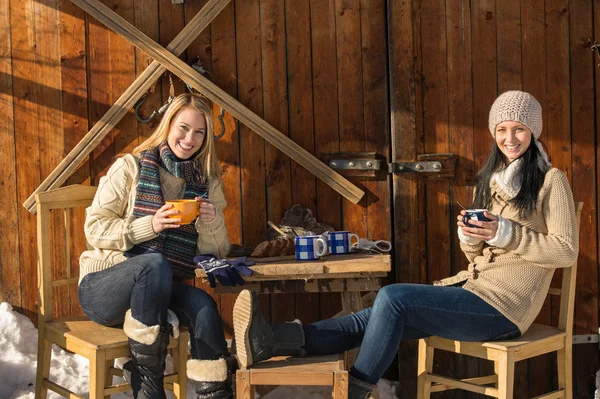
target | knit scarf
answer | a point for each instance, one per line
(177, 245)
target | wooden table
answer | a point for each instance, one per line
(348, 274)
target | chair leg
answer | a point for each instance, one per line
(505, 368)
(97, 374)
(108, 377)
(340, 385)
(564, 360)
(43, 366)
(243, 389)
(179, 364)
(425, 366)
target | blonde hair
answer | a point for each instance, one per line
(207, 154)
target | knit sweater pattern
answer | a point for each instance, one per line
(111, 228)
(515, 279)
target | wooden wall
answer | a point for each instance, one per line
(399, 78)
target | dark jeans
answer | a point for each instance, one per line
(145, 285)
(406, 312)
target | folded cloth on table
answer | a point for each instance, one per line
(379, 246)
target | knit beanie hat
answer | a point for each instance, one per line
(517, 106)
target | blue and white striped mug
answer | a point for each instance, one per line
(310, 247)
(340, 242)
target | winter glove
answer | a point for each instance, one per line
(226, 271)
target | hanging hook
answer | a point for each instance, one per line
(220, 118)
(154, 114)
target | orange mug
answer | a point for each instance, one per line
(189, 209)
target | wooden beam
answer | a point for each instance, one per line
(126, 102)
(106, 16)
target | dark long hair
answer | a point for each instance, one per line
(532, 171)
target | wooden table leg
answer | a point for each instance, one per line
(351, 303)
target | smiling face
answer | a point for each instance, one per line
(513, 139)
(186, 133)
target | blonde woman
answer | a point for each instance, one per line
(132, 276)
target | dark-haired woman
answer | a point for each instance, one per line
(531, 231)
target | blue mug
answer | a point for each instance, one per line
(474, 214)
(340, 242)
(310, 247)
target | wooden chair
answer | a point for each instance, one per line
(318, 370)
(538, 340)
(77, 334)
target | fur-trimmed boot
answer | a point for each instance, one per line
(213, 379)
(358, 389)
(148, 347)
(256, 340)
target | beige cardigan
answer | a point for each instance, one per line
(515, 277)
(111, 229)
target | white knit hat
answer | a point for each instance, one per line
(516, 106)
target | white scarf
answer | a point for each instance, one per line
(508, 179)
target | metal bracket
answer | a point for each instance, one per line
(422, 167)
(355, 164)
(586, 339)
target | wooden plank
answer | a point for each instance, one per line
(99, 95)
(124, 104)
(351, 284)
(171, 21)
(301, 120)
(540, 369)
(252, 147)
(325, 114)
(145, 14)
(508, 13)
(122, 73)
(375, 114)
(483, 21)
(405, 146)
(74, 118)
(250, 84)
(224, 68)
(10, 277)
(434, 63)
(460, 129)
(275, 107)
(350, 97)
(26, 99)
(585, 183)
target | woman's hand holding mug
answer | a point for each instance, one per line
(208, 211)
(162, 220)
(480, 229)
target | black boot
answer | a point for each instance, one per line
(358, 389)
(213, 379)
(256, 340)
(148, 347)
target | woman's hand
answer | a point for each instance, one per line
(486, 230)
(161, 220)
(208, 211)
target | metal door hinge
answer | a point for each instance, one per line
(421, 167)
(370, 164)
(586, 339)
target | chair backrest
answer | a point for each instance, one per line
(51, 252)
(567, 289)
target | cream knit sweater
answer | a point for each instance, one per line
(515, 276)
(111, 229)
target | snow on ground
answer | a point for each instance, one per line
(18, 349)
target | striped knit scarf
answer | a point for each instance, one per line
(178, 245)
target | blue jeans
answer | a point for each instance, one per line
(145, 285)
(406, 312)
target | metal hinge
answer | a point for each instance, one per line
(422, 167)
(586, 339)
(370, 164)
